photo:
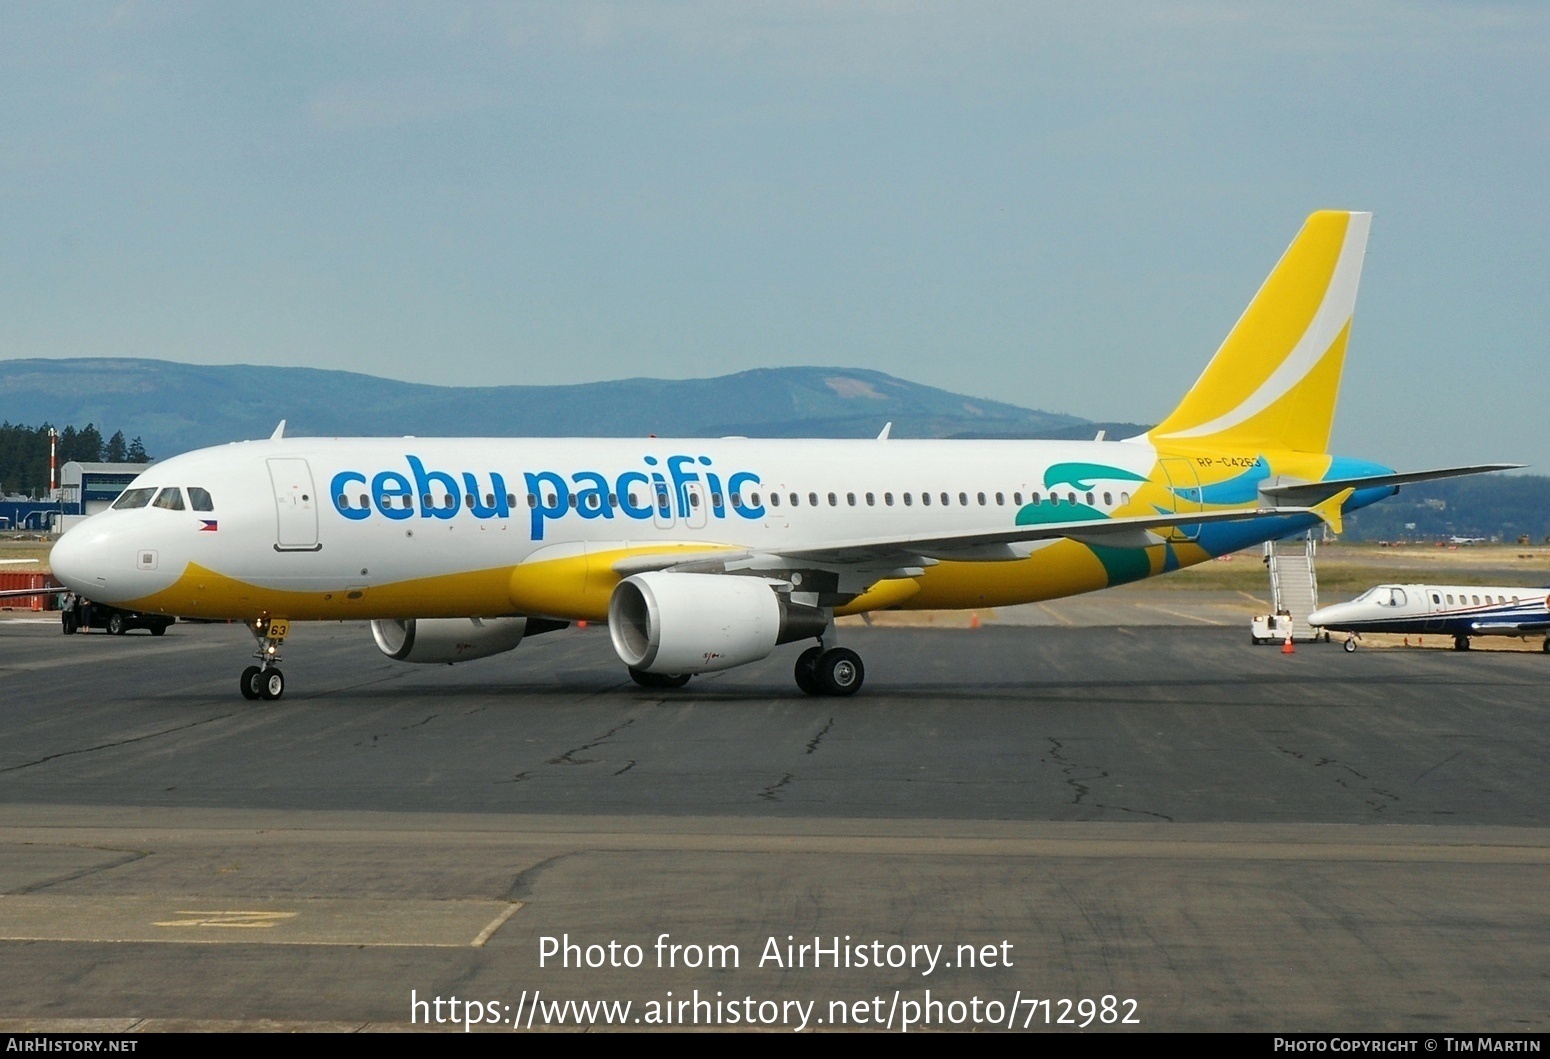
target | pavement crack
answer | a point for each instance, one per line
(812, 744)
(1437, 766)
(116, 743)
(772, 792)
(1383, 799)
(569, 757)
(129, 857)
(1083, 791)
(626, 768)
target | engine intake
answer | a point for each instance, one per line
(671, 623)
(450, 640)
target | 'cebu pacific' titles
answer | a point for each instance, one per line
(703, 555)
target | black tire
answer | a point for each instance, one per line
(271, 684)
(1546, 647)
(117, 626)
(658, 680)
(159, 629)
(840, 672)
(1461, 643)
(1350, 644)
(249, 682)
(807, 671)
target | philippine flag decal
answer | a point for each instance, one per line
(207, 525)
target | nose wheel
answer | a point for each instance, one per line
(265, 681)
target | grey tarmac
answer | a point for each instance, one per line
(1233, 837)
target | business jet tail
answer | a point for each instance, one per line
(1274, 381)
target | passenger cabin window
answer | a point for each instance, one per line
(832, 501)
(1089, 500)
(1108, 499)
(925, 499)
(871, 500)
(1436, 598)
(774, 500)
(981, 497)
(170, 498)
(199, 499)
(907, 500)
(1450, 599)
(133, 498)
(1000, 499)
(1017, 498)
(888, 499)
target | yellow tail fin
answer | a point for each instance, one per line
(1274, 381)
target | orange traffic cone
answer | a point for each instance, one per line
(1286, 647)
(582, 624)
(974, 621)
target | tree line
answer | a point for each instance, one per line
(24, 453)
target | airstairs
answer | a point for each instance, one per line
(1294, 583)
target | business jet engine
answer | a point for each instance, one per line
(669, 623)
(453, 640)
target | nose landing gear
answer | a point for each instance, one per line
(265, 681)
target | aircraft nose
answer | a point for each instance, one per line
(77, 561)
(1326, 615)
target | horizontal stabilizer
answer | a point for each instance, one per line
(1329, 510)
(1314, 492)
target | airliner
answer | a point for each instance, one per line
(1460, 611)
(703, 555)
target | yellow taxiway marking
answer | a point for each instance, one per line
(365, 922)
(1180, 614)
(242, 920)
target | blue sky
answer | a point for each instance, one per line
(1063, 206)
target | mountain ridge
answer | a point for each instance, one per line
(175, 407)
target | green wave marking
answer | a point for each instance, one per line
(1085, 476)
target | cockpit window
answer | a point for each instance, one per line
(133, 498)
(199, 499)
(170, 498)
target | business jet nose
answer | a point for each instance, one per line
(1327, 615)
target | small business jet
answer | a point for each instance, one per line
(1460, 611)
(702, 555)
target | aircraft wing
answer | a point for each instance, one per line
(1312, 492)
(1133, 532)
(18, 593)
(888, 556)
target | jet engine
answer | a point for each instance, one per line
(671, 623)
(452, 640)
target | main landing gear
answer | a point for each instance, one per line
(265, 681)
(658, 680)
(835, 671)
